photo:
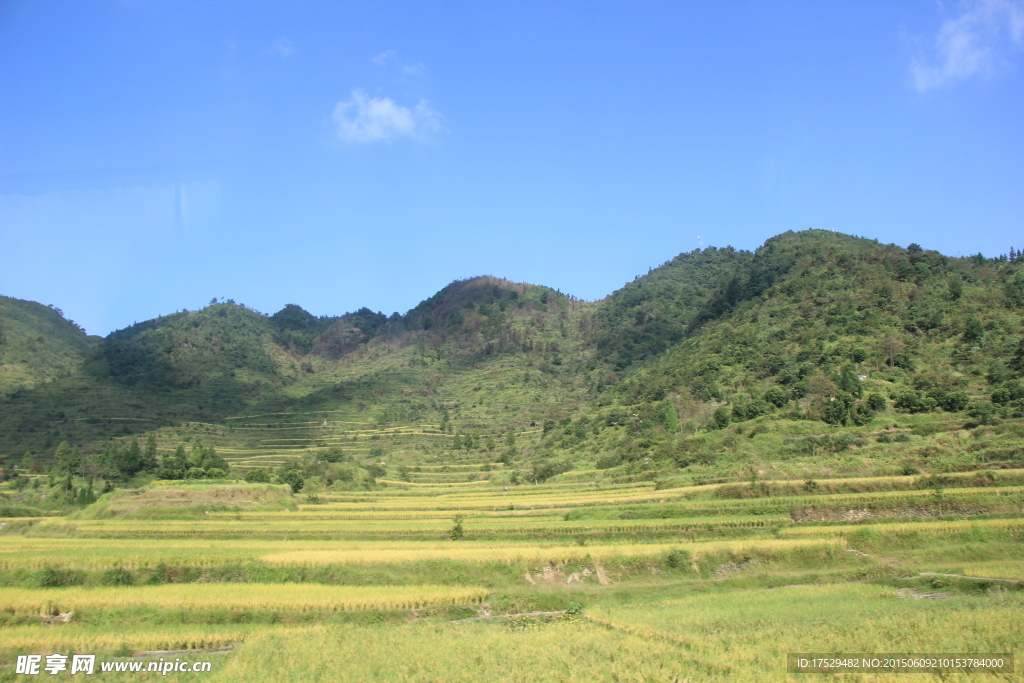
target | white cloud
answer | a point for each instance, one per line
(390, 57)
(282, 47)
(365, 119)
(971, 43)
(385, 58)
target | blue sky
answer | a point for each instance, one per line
(155, 154)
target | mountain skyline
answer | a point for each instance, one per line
(333, 313)
(798, 319)
(343, 155)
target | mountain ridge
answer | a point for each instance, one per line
(709, 339)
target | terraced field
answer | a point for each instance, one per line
(698, 583)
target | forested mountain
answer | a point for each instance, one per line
(828, 328)
(656, 311)
(813, 328)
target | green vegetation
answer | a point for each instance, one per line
(37, 344)
(734, 456)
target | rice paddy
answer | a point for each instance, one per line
(698, 583)
(290, 597)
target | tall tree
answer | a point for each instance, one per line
(67, 459)
(149, 460)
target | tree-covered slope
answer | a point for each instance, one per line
(813, 304)
(819, 331)
(191, 365)
(654, 312)
(476, 336)
(37, 344)
(817, 335)
(221, 344)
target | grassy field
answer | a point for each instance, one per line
(693, 583)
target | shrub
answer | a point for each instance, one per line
(984, 478)
(838, 409)
(294, 479)
(982, 411)
(956, 401)
(457, 531)
(1010, 391)
(720, 419)
(546, 470)
(862, 414)
(56, 578)
(973, 330)
(257, 476)
(677, 558)
(216, 473)
(117, 576)
(911, 402)
(332, 454)
(777, 396)
(161, 574)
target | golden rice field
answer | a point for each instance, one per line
(749, 632)
(742, 636)
(326, 524)
(998, 570)
(725, 608)
(427, 485)
(295, 597)
(936, 527)
(80, 638)
(482, 552)
(489, 499)
(36, 553)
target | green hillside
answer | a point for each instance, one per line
(37, 344)
(655, 312)
(819, 354)
(491, 340)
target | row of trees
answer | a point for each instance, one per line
(121, 462)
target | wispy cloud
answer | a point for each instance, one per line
(971, 44)
(282, 47)
(390, 58)
(365, 119)
(385, 58)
